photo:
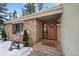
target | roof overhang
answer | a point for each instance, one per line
(52, 11)
(50, 18)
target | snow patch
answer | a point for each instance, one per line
(4, 50)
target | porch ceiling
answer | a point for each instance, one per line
(51, 18)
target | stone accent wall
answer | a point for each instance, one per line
(32, 27)
(10, 36)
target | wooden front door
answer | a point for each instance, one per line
(50, 31)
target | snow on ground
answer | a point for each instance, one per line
(4, 50)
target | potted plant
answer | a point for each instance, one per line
(25, 38)
(4, 36)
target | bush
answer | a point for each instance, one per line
(4, 35)
(25, 38)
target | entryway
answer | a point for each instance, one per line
(50, 31)
(50, 25)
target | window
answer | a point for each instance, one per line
(17, 28)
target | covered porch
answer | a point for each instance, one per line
(48, 36)
(48, 31)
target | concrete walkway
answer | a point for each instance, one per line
(44, 50)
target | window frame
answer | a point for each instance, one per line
(17, 28)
